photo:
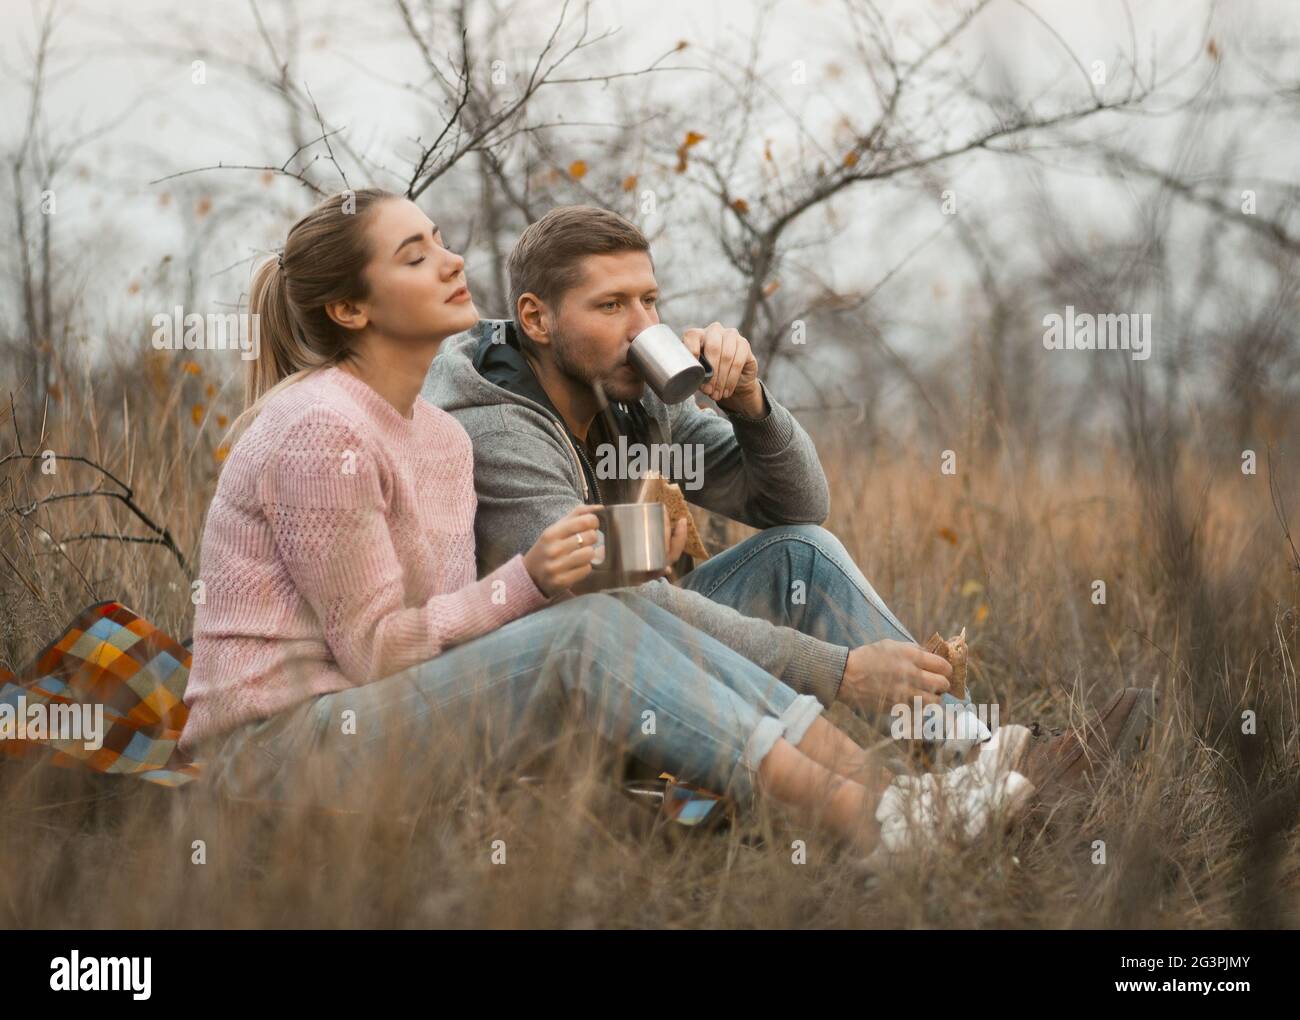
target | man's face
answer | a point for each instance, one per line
(599, 318)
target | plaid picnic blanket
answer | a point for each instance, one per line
(111, 657)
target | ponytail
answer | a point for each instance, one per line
(324, 259)
(282, 353)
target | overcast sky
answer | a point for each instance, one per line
(129, 63)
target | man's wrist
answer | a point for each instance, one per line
(751, 406)
(769, 435)
(816, 667)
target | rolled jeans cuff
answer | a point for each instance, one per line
(792, 725)
(799, 716)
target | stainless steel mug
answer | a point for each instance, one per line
(634, 543)
(667, 364)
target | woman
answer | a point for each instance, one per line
(341, 618)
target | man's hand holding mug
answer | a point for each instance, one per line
(734, 384)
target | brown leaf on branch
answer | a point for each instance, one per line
(692, 139)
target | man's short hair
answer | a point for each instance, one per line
(547, 258)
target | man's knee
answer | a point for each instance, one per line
(813, 538)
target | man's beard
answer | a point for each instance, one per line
(620, 386)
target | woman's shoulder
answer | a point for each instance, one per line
(313, 415)
(325, 413)
(432, 418)
(320, 400)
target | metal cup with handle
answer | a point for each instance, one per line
(634, 539)
(667, 364)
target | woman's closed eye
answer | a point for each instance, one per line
(439, 242)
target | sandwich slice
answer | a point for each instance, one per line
(657, 487)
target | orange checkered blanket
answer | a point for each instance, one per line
(105, 695)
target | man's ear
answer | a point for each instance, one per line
(532, 318)
(347, 314)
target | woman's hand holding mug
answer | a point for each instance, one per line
(564, 553)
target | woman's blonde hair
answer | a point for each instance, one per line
(324, 258)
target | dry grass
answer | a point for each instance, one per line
(1208, 614)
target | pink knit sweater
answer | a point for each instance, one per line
(338, 550)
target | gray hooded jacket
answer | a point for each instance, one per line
(529, 472)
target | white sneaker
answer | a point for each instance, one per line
(916, 810)
(962, 730)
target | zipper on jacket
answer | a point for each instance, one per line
(584, 465)
(594, 481)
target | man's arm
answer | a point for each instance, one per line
(525, 481)
(761, 472)
(803, 662)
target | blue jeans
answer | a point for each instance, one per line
(622, 668)
(799, 576)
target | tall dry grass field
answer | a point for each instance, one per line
(1202, 590)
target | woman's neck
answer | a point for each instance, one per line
(396, 374)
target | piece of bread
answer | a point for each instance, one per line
(657, 487)
(957, 654)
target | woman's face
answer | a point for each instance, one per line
(418, 290)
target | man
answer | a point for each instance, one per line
(790, 598)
